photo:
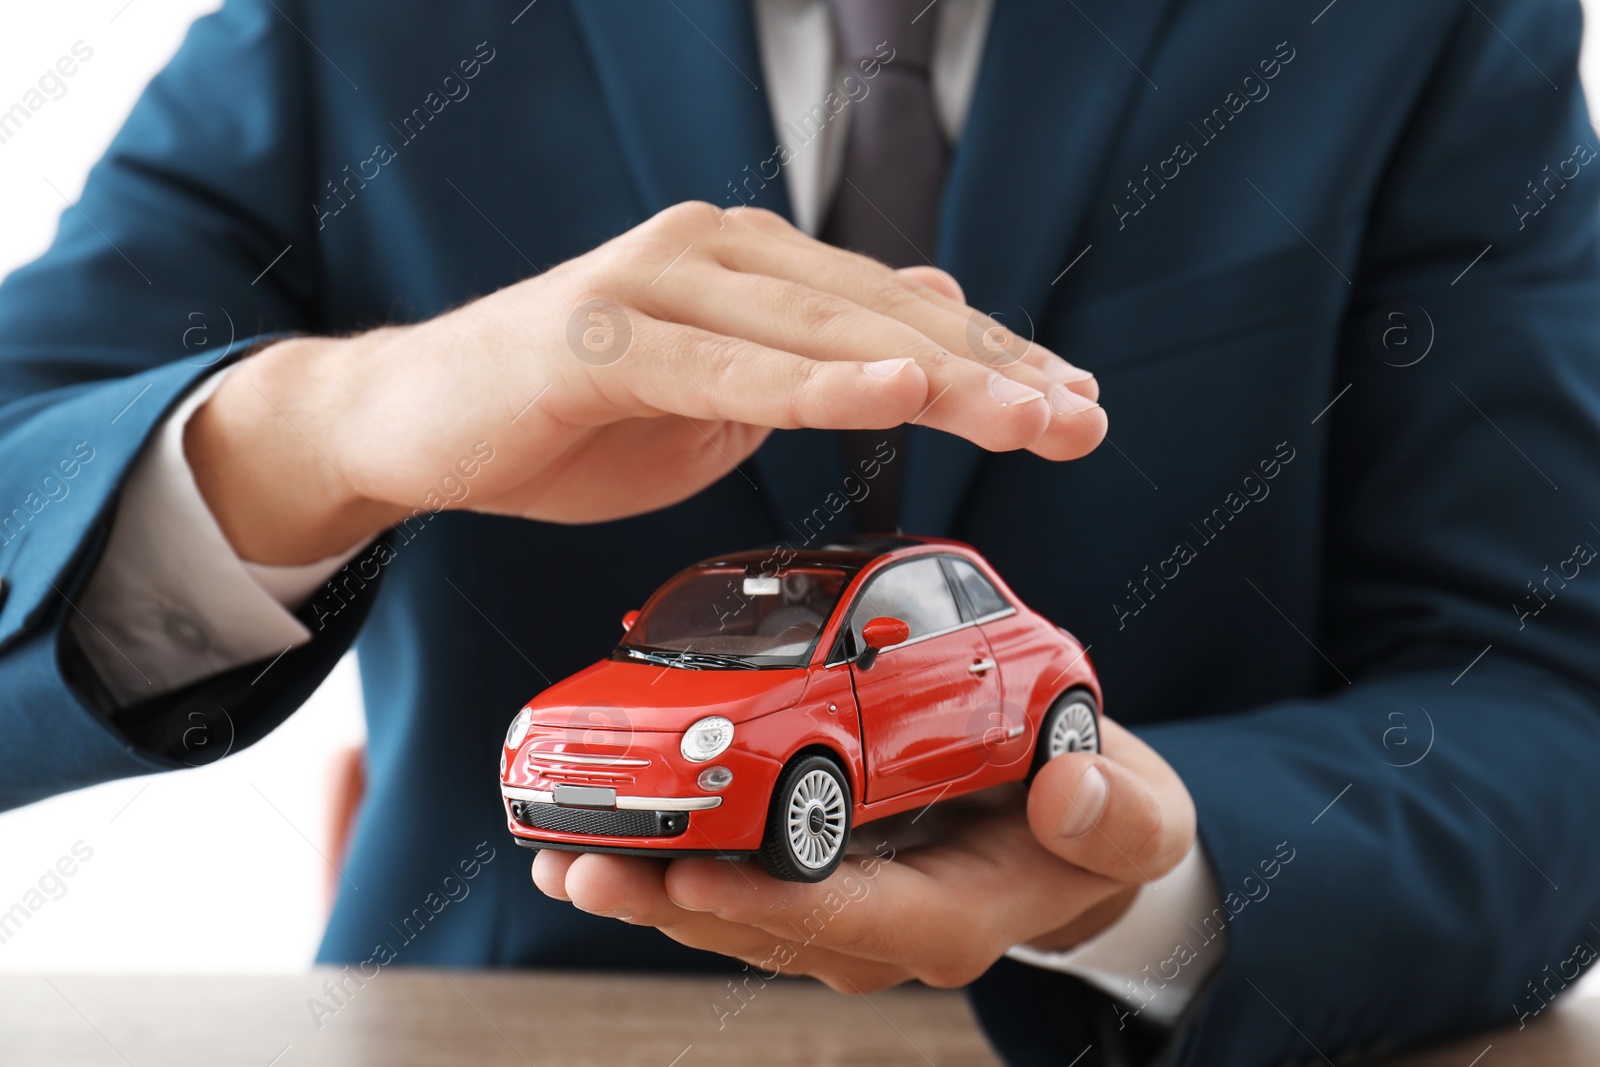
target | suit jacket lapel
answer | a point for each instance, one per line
(684, 86)
(1057, 84)
(683, 83)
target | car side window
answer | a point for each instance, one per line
(914, 592)
(981, 593)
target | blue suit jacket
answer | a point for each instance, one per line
(1362, 633)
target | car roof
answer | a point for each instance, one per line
(850, 552)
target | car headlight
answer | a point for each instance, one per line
(706, 739)
(519, 728)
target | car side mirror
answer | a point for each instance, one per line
(878, 634)
(628, 619)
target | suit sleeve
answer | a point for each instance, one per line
(1408, 854)
(170, 602)
(157, 276)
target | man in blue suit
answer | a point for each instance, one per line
(499, 307)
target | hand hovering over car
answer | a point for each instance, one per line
(936, 896)
(617, 383)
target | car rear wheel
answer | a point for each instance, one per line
(1071, 725)
(808, 824)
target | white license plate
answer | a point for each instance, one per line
(586, 796)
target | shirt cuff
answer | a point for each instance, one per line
(170, 601)
(1155, 958)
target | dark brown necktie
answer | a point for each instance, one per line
(887, 204)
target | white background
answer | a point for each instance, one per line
(178, 859)
(216, 869)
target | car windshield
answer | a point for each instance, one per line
(732, 616)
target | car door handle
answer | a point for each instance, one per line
(983, 666)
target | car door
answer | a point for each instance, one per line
(918, 700)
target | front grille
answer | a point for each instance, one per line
(539, 816)
(598, 768)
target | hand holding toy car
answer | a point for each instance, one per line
(1050, 867)
(768, 704)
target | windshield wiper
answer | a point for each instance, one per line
(690, 661)
(661, 658)
(720, 661)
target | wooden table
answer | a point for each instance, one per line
(1567, 1035)
(402, 1018)
(412, 1018)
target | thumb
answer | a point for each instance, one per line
(1129, 821)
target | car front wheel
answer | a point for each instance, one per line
(1071, 725)
(808, 824)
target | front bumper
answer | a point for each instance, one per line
(657, 808)
(624, 803)
(634, 850)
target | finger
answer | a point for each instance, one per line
(631, 889)
(884, 921)
(700, 374)
(792, 256)
(989, 887)
(998, 410)
(621, 887)
(772, 955)
(869, 283)
(550, 872)
(762, 243)
(723, 231)
(995, 344)
(1078, 425)
(1128, 818)
(999, 344)
(940, 281)
(991, 854)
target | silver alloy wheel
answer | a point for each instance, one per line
(816, 819)
(1074, 730)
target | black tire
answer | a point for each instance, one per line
(813, 847)
(1067, 729)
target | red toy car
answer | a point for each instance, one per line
(762, 704)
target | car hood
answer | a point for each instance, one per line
(644, 696)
